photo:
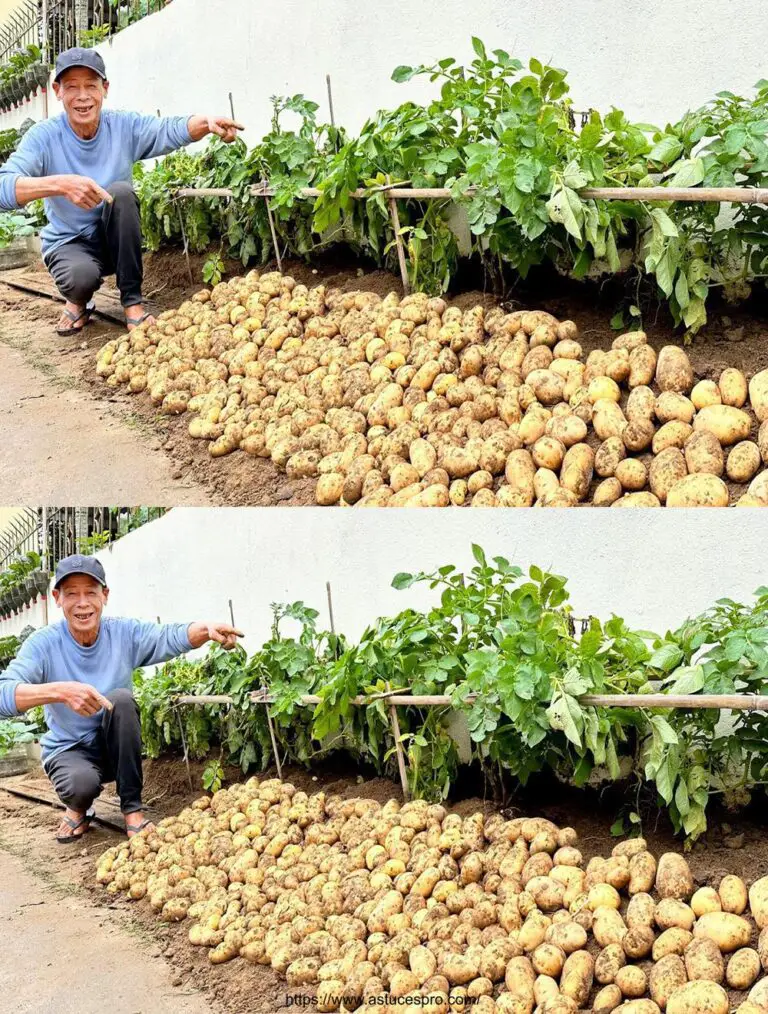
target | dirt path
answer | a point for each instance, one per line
(62, 956)
(60, 443)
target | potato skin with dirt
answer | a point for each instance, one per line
(743, 968)
(729, 932)
(667, 975)
(666, 469)
(699, 490)
(699, 997)
(673, 370)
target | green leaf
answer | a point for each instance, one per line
(478, 47)
(687, 173)
(402, 580)
(666, 657)
(666, 733)
(666, 150)
(664, 222)
(687, 680)
(402, 74)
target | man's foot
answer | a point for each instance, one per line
(73, 825)
(73, 319)
(135, 315)
(136, 822)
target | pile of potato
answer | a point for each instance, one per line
(351, 900)
(413, 402)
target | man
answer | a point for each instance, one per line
(81, 670)
(81, 164)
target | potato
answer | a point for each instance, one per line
(607, 999)
(608, 455)
(703, 960)
(729, 931)
(704, 900)
(608, 927)
(732, 893)
(548, 960)
(608, 420)
(671, 912)
(665, 977)
(671, 434)
(638, 942)
(673, 370)
(458, 969)
(423, 456)
(704, 454)
(567, 429)
(666, 469)
(603, 895)
(744, 460)
(729, 424)
(459, 462)
(567, 936)
(699, 997)
(607, 493)
(638, 1007)
(673, 877)
(641, 909)
(758, 395)
(706, 392)
(638, 435)
(671, 941)
(577, 976)
(637, 500)
(699, 490)
(671, 406)
(642, 366)
(632, 981)
(519, 979)
(329, 489)
(576, 471)
(732, 386)
(603, 389)
(632, 474)
(743, 968)
(519, 473)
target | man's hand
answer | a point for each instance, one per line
(224, 634)
(83, 192)
(199, 633)
(224, 128)
(82, 698)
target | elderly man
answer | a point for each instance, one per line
(81, 164)
(81, 670)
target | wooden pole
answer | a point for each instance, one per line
(724, 195)
(330, 605)
(399, 242)
(272, 229)
(330, 98)
(395, 723)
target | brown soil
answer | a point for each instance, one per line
(733, 337)
(733, 844)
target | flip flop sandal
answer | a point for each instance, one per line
(74, 825)
(66, 332)
(132, 830)
(134, 322)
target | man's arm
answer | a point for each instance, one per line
(158, 135)
(22, 687)
(22, 179)
(155, 643)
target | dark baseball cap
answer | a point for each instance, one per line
(79, 57)
(78, 564)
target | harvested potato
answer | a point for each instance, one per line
(699, 997)
(758, 394)
(729, 424)
(706, 392)
(673, 370)
(607, 492)
(667, 468)
(732, 386)
(703, 960)
(704, 454)
(673, 877)
(701, 490)
(632, 981)
(733, 895)
(706, 899)
(667, 975)
(729, 931)
(632, 474)
(743, 968)
(671, 941)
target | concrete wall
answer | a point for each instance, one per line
(652, 567)
(653, 60)
(35, 109)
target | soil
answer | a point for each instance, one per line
(159, 960)
(83, 441)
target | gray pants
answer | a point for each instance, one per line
(79, 266)
(77, 774)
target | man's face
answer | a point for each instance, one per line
(82, 92)
(82, 599)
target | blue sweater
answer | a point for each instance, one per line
(52, 655)
(52, 148)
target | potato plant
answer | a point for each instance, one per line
(355, 902)
(413, 402)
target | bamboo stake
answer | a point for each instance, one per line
(399, 242)
(720, 195)
(330, 605)
(729, 702)
(395, 723)
(330, 98)
(272, 227)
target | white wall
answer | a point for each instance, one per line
(653, 60)
(34, 615)
(654, 567)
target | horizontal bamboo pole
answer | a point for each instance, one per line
(729, 702)
(725, 195)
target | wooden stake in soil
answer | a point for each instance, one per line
(399, 243)
(272, 229)
(184, 745)
(330, 605)
(395, 723)
(330, 98)
(186, 245)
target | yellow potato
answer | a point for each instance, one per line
(704, 454)
(700, 490)
(667, 975)
(706, 392)
(733, 895)
(744, 460)
(673, 370)
(607, 492)
(729, 931)
(699, 997)
(732, 386)
(729, 424)
(743, 968)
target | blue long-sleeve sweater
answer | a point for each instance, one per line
(52, 148)
(52, 655)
